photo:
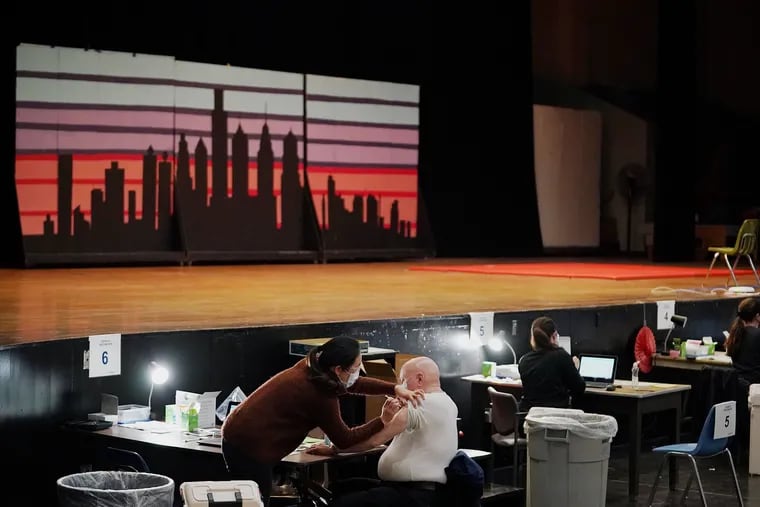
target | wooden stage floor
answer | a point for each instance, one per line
(49, 304)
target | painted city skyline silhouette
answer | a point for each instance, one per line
(179, 211)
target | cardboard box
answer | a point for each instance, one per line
(379, 368)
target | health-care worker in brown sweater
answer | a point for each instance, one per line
(273, 420)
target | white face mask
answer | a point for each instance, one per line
(352, 378)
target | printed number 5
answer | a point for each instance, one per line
(726, 422)
(482, 330)
(104, 357)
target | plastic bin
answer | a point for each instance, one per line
(206, 493)
(568, 455)
(115, 489)
(754, 429)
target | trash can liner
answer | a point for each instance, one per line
(568, 454)
(578, 422)
(115, 489)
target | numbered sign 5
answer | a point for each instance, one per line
(725, 420)
(481, 327)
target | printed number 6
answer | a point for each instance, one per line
(104, 357)
(726, 422)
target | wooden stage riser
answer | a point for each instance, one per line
(42, 305)
(223, 359)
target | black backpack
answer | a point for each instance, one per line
(464, 483)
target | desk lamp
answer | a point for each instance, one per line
(497, 343)
(158, 375)
(677, 321)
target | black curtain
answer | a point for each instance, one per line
(477, 133)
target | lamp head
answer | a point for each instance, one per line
(158, 374)
(498, 342)
(678, 320)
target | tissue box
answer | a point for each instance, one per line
(133, 413)
(171, 414)
(184, 416)
(692, 348)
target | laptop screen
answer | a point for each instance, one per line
(598, 368)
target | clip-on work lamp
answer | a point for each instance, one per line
(677, 321)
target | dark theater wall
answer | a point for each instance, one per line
(46, 384)
(475, 121)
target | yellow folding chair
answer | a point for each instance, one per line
(746, 246)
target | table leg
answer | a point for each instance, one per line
(474, 434)
(634, 450)
(673, 465)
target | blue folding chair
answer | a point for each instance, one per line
(705, 447)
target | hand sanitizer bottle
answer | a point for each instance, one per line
(635, 375)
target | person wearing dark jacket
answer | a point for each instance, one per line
(743, 346)
(549, 375)
(273, 420)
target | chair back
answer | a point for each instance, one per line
(707, 445)
(503, 412)
(746, 239)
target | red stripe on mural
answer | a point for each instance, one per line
(85, 212)
(382, 193)
(75, 181)
(138, 214)
(412, 171)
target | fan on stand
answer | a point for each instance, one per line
(632, 181)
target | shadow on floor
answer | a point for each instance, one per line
(717, 482)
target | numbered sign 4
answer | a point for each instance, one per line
(725, 420)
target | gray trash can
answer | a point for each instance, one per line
(115, 489)
(568, 455)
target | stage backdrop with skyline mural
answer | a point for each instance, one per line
(123, 156)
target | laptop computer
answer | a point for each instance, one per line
(211, 441)
(598, 370)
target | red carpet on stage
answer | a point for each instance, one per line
(584, 270)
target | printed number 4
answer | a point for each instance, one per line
(104, 357)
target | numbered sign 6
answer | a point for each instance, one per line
(105, 355)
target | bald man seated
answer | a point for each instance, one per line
(425, 439)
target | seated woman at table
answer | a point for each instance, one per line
(273, 420)
(743, 346)
(549, 375)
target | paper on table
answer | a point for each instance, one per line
(153, 426)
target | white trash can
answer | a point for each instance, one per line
(754, 429)
(568, 455)
(115, 489)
